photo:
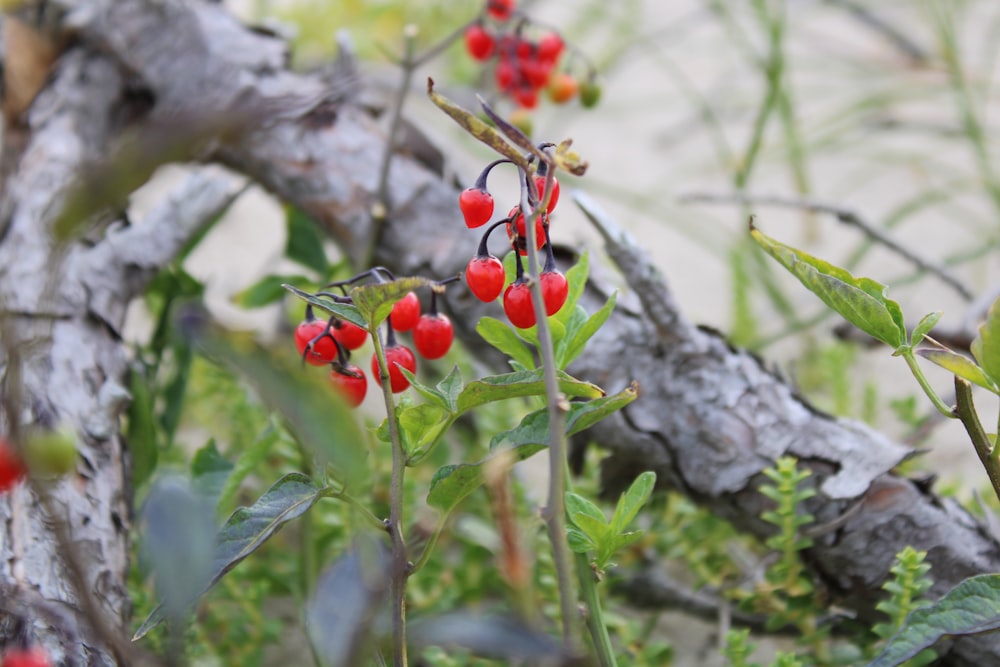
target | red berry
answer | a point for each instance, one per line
(12, 468)
(501, 10)
(350, 383)
(323, 350)
(433, 335)
(505, 74)
(522, 232)
(540, 185)
(397, 354)
(550, 47)
(535, 72)
(479, 42)
(350, 335)
(477, 206)
(485, 277)
(518, 306)
(526, 97)
(406, 312)
(554, 291)
(33, 657)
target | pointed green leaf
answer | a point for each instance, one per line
(534, 428)
(432, 394)
(305, 242)
(141, 429)
(576, 277)
(577, 505)
(632, 500)
(928, 322)
(986, 346)
(578, 541)
(375, 301)
(596, 529)
(861, 301)
(453, 483)
(344, 311)
(960, 365)
(521, 383)
(267, 290)
(973, 606)
(249, 527)
(577, 342)
(503, 338)
(421, 426)
(451, 387)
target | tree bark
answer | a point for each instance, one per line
(709, 418)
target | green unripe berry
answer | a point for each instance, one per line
(590, 93)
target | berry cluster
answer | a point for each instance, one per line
(330, 342)
(485, 274)
(525, 66)
(12, 467)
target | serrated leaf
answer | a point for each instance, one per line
(926, 323)
(579, 338)
(305, 242)
(534, 427)
(267, 290)
(141, 432)
(248, 528)
(959, 365)
(861, 301)
(503, 338)
(477, 128)
(453, 483)
(345, 603)
(577, 505)
(375, 301)
(344, 311)
(521, 383)
(986, 345)
(971, 607)
(632, 500)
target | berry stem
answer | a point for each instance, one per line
(484, 249)
(555, 508)
(400, 568)
(484, 174)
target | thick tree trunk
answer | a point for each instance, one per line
(708, 420)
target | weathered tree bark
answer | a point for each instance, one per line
(708, 420)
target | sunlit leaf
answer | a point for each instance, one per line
(503, 338)
(375, 301)
(986, 345)
(577, 340)
(960, 365)
(521, 383)
(344, 311)
(928, 322)
(632, 501)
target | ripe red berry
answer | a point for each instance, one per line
(323, 350)
(501, 10)
(406, 312)
(433, 336)
(518, 306)
(522, 232)
(535, 72)
(554, 291)
(505, 74)
(540, 185)
(350, 335)
(479, 42)
(476, 205)
(32, 657)
(550, 47)
(12, 468)
(396, 354)
(526, 97)
(350, 383)
(485, 277)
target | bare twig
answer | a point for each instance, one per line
(844, 215)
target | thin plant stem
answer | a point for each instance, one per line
(400, 566)
(555, 509)
(431, 543)
(365, 513)
(918, 373)
(595, 617)
(965, 410)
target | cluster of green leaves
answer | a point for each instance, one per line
(906, 588)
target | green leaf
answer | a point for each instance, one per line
(421, 426)
(453, 483)
(344, 311)
(928, 322)
(632, 501)
(578, 541)
(267, 290)
(141, 432)
(375, 301)
(960, 365)
(451, 388)
(175, 390)
(576, 277)
(973, 606)
(248, 460)
(305, 242)
(209, 471)
(521, 383)
(596, 529)
(534, 428)
(432, 394)
(249, 527)
(986, 345)
(578, 339)
(861, 301)
(577, 505)
(503, 338)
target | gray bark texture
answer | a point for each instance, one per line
(708, 420)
